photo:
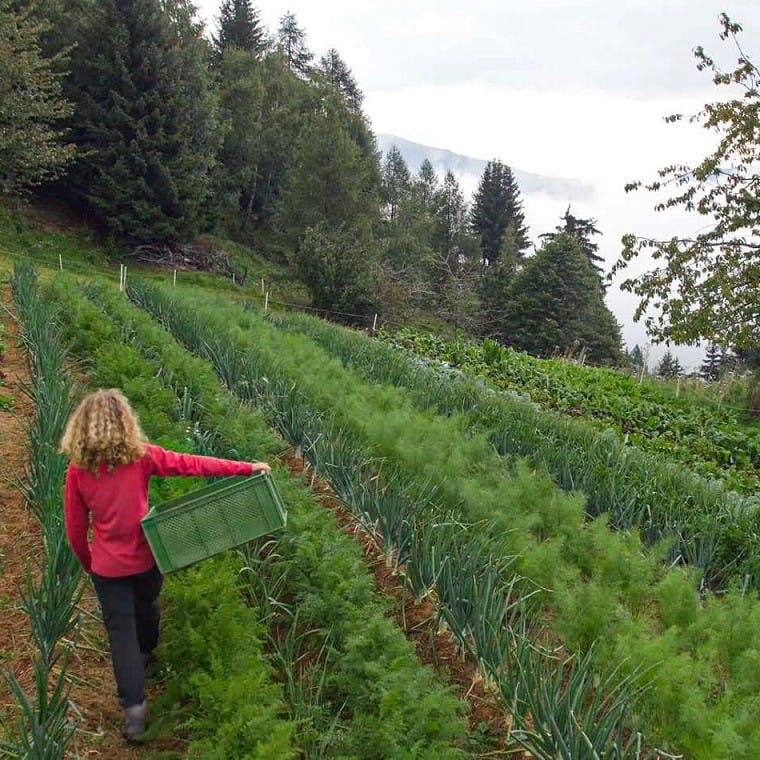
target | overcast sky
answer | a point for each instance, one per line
(571, 88)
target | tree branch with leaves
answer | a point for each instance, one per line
(707, 286)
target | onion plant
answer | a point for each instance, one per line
(43, 728)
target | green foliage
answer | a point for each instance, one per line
(212, 640)
(588, 573)
(144, 123)
(701, 287)
(324, 572)
(51, 591)
(338, 267)
(239, 27)
(695, 429)
(496, 208)
(32, 107)
(332, 178)
(555, 304)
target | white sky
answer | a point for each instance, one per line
(571, 88)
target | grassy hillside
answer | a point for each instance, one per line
(51, 237)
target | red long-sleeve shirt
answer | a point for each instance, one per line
(116, 502)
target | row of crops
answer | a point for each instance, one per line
(50, 589)
(283, 649)
(712, 529)
(705, 433)
(594, 645)
(618, 616)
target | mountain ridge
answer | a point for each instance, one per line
(468, 170)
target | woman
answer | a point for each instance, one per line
(107, 489)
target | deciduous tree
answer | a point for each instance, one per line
(707, 286)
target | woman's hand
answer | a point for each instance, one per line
(260, 467)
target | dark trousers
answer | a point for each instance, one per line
(131, 617)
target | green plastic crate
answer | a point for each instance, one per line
(210, 520)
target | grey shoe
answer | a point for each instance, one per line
(134, 721)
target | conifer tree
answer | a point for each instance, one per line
(291, 41)
(396, 182)
(496, 205)
(669, 367)
(143, 120)
(32, 106)
(554, 304)
(454, 251)
(331, 180)
(636, 358)
(240, 27)
(427, 183)
(407, 236)
(340, 77)
(712, 363)
(582, 230)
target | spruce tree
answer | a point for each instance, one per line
(554, 304)
(669, 367)
(340, 77)
(291, 41)
(712, 363)
(240, 27)
(496, 205)
(144, 120)
(582, 230)
(32, 144)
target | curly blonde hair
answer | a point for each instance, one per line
(103, 428)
